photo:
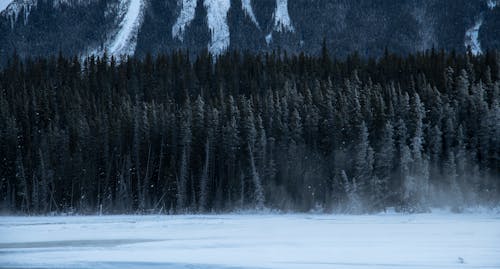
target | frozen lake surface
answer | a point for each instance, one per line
(438, 240)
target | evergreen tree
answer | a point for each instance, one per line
(383, 168)
(271, 130)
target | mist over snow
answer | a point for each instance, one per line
(439, 240)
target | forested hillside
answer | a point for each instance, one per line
(249, 131)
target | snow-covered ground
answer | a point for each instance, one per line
(438, 240)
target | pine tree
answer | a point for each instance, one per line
(204, 179)
(183, 177)
(354, 205)
(256, 180)
(450, 170)
(22, 183)
(383, 167)
(364, 161)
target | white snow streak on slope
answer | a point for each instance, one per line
(269, 38)
(4, 4)
(442, 240)
(13, 9)
(492, 4)
(472, 34)
(472, 38)
(125, 41)
(282, 21)
(217, 23)
(247, 8)
(185, 17)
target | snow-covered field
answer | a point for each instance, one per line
(438, 240)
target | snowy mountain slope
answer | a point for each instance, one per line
(246, 5)
(4, 4)
(217, 23)
(186, 15)
(15, 7)
(472, 37)
(282, 21)
(472, 34)
(125, 40)
(141, 26)
(492, 4)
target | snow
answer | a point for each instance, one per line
(12, 9)
(247, 8)
(216, 18)
(125, 41)
(438, 240)
(269, 38)
(492, 4)
(472, 34)
(282, 21)
(186, 16)
(472, 37)
(217, 23)
(58, 3)
(4, 4)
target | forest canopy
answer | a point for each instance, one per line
(177, 134)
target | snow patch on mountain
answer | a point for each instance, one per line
(246, 5)
(125, 41)
(472, 37)
(186, 16)
(14, 8)
(269, 39)
(4, 4)
(217, 23)
(492, 4)
(282, 21)
(472, 34)
(57, 3)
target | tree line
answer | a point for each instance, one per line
(177, 134)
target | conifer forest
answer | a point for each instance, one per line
(183, 133)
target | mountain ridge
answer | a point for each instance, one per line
(128, 27)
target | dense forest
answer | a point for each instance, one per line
(177, 134)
